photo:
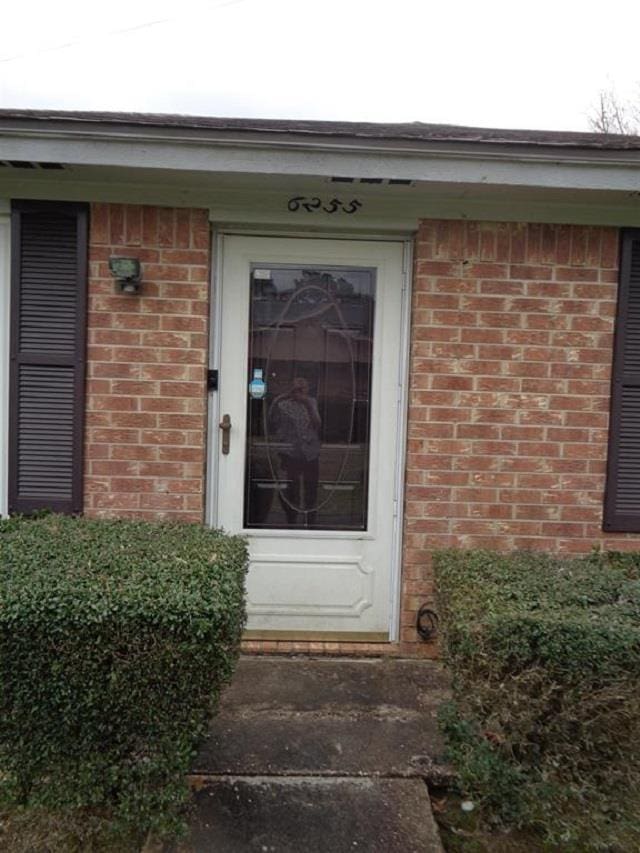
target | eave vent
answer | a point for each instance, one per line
(27, 164)
(389, 182)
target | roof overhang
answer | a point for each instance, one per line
(451, 177)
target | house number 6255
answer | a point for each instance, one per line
(314, 204)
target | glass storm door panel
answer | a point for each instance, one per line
(306, 428)
(309, 380)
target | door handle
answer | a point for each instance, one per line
(225, 426)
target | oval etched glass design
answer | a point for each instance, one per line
(309, 388)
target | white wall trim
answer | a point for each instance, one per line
(5, 251)
(401, 451)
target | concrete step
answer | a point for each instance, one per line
(328, 717)
(320, 756)
(310, 815)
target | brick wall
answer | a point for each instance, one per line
(147, 356)
(511, 362)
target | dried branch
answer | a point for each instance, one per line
(613, 115)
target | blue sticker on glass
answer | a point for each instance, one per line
(257, 386)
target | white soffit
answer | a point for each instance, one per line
(267, 199)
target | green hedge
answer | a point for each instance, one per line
(116, 638)
(544, 727)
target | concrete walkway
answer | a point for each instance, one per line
(321, 756)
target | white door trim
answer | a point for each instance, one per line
(213, 399)
(401, 449)
(5, 285)
(211, 504)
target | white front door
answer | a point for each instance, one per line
(310, 358)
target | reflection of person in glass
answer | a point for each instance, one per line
(298, 424)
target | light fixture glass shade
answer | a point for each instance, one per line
(125, 268)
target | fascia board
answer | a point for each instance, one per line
(499, 166)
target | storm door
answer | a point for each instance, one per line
(308, 429)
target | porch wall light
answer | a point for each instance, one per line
(128, 274)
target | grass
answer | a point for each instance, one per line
(80, 831)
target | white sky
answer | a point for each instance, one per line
(537, 64)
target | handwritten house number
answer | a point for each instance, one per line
(312, 205)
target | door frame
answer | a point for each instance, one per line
(215, 363)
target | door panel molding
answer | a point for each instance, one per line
(295, 567)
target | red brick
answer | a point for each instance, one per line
(163, 404)
(485, 270)
(529, 272)
(114, 336)
(140, 437)
(133, 321)
(191, 354)
(179, 421)
(111, 402)
(180, 454)
(137, 452)
(116, 502)
(166, 227)
(133, 419)
(171, 371)
(496, 319)
(180, 389)
(116, 222)
(184, 256)
(165, 273)
(136, 388)
(183, 229)
(573, 274)
(128, 485)
(161, 469)
(114, 468)
(133, 224)
(182, 323)
(113, 436)
(609, 248)
(162, 502)
(100, 223)
(135, 355)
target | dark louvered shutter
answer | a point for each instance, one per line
(48, 322)
(622, 495)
